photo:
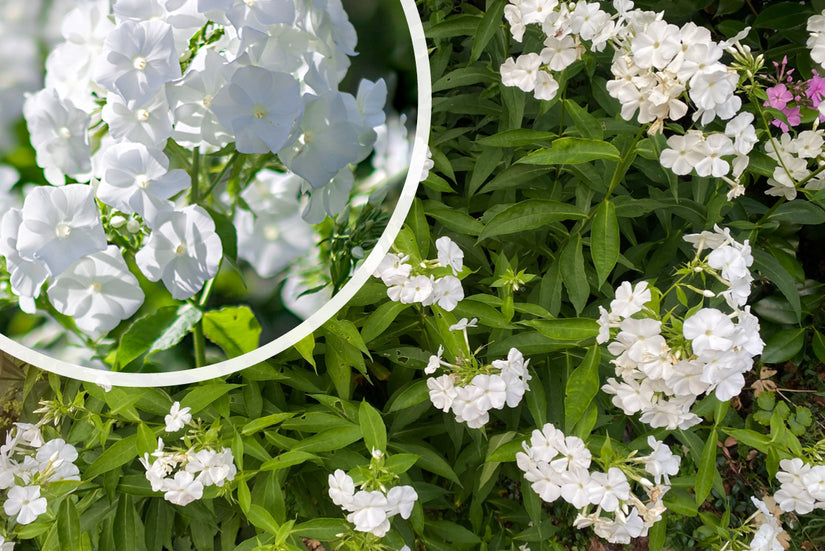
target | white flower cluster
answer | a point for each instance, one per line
(767, 535)
(131, 76)
(655, 62)
(183, 474)
(663, 379)
(370, 511)
(409, 284)
(816, 39)
(565, 26)
(471, 390)
(27, 462)
(802, 486)
(714, 154)
(793, 157)
(560, 466)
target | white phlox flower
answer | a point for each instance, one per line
(449, 254)
(25, 503)
(558, 466)
(177, 418)
(261, 108)
(60, 225)
(137, 179)
(183, 250)
(58, 133)
(138, 58)
(25, 276)
(98, 291)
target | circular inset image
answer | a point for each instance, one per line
(199, 185)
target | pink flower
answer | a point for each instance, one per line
(778, 96)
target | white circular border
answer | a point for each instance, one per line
(289, 339)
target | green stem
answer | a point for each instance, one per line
(200, 352)
(222, 173)
(196, 169)
(621, 168)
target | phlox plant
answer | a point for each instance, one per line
(600, 326)
(202, 147)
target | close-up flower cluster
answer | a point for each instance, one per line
(471, 389)
(661, 370)
(410, 284)
(557, 465)
(28, 464)
(179, 138)
(183, 473)
(371, 507)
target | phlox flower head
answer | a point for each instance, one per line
(261, 108)
(58, 133)
(449, 254)
(60, 225)
(25, 503)
(327, 140)
(138, 58)
(183, 250)
(98, 291)
(177, 418)
(137, 179)
(25, 276)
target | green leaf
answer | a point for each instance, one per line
(515, 176)
(571, 151)
(409, 396)
(68, 525)
(707, 469)
(347, 332)
(783, 345)
(604, 240)
(261, 518)
(234, 329)
(244, 496)
(157, 331)
(486, 162)
(464, 76)
(381, 319)
(750, 438)
(818, 342)
(226, 232)
(372, 427)
(201, 396)
(322, 529)
(306, 347)
(531, 214)
(782, 15)
(146, 441)
(328, 440)
(452, 532)
(799, 212)
(287, 459)
(124, 529)
(262, 423)
(118, 454)
(487, 28)
(517, 137)
(773, 270)
(399, 463)
(453, 219)
(571, 262)
(582, 386)
(429, 460)
(158, 519)
(656, 535)
(568, 329)
(584, 122)
(417, 222)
